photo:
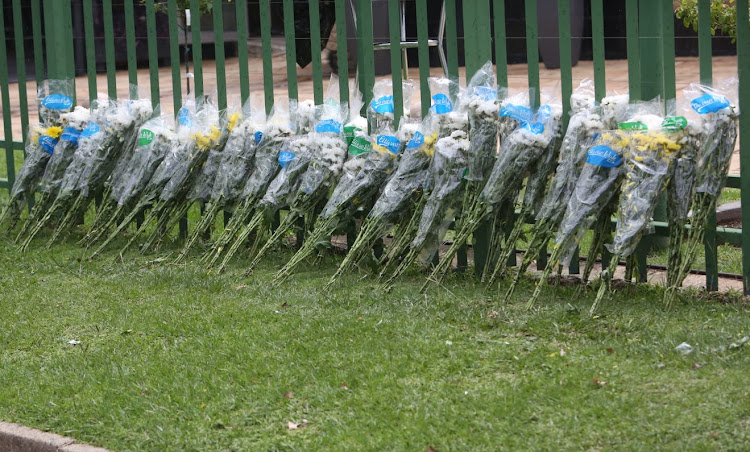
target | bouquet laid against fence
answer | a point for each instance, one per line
(481, 162)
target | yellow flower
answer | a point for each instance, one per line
(53, 131)
(233, 119)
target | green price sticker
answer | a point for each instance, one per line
(359, 146)
(674, 123)
(632, 126)
(146, 137)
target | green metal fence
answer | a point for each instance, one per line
(650, 48)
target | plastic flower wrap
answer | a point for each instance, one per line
(237, 163)
(399, 198)
(54, 98)
(294, 159)
(40, 144)
(648, 166)
(171, 170)
(717, 121)
(597, 185)
(156, 140)
(278, 130)
(351, 194)
(380, 112)
(583, 127)
(329, 151)
(207, 140)
(114, 135)
(73, 124)
(518, 153)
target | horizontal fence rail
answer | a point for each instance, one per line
(59, 39)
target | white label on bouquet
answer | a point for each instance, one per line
(328, 125)
(389, 142)
(441, 104)
(709, 103)
(603, 156)
(285, 157)
(92, 129)
(57, 102)
(416, 140)
(382, 104)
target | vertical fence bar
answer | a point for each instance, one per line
(424, 56)
(241, 11)
(365, 49)
(394, 28)
(597, 38)
(130, 45)
(265, 35)
(21, 67)
(221, 77)
(88, 27)
(501, 49)
(174, 55)
(315, 49)
(66, 32)
(153, 51)
(668, 53)
(5, 95)
(532, 51)
(342, 51)
(109, 49)
(631, 30)
(36, 28)
(743, 66)
(291, 49)
(566, 64)
(195, 29)
(706, 77)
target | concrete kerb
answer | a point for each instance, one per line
(17, 438)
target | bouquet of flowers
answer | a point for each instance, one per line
(155, 140)
(518, 153)
(54, 98)
(597, 184)
(399, 195)
(168, 207)
(101, 146)
(329, 153)
(177, 157)
(583, 127)
(236, 165)
(718, 124)
(74, 123)
(350, 195)
(294, 159)
(648, 166)
(277, 131)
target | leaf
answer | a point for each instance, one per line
(598, 383)
(344, 386)
(289, 395)
(611, 351)
(240, 287)
(292, 426)
(432, 449)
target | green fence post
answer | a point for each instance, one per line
(221, 78)
(4, 91)
(109, 49)
(291, 49)
(743, 65)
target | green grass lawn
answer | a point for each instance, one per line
(173, 359)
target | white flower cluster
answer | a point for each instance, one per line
(613, 108)
(78, 118)
(453, 145)
(332, 151)
(481, 107)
